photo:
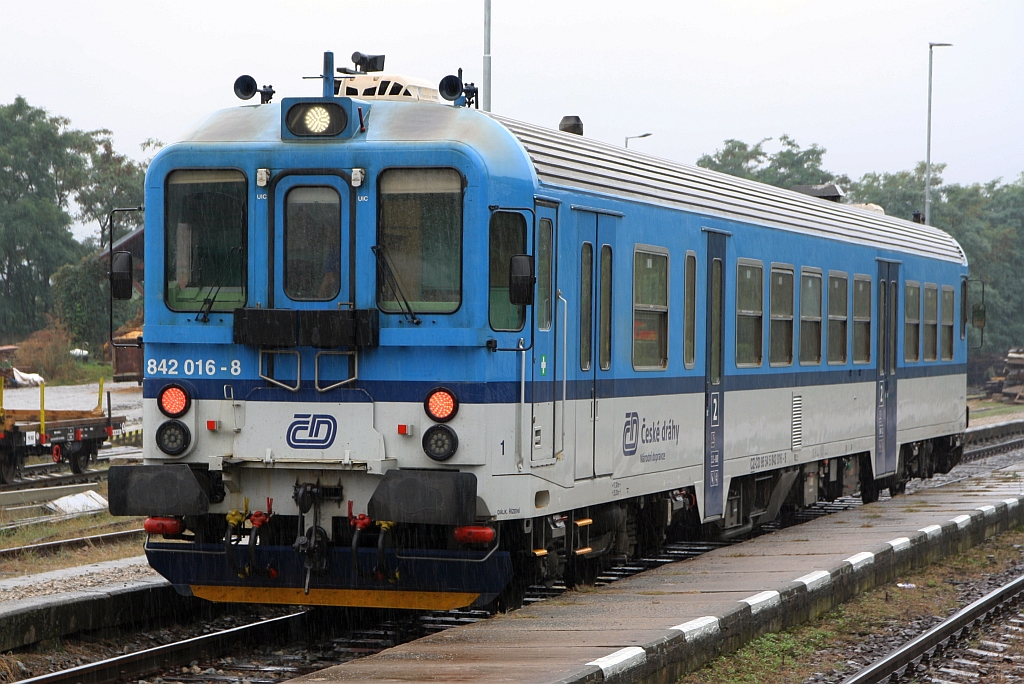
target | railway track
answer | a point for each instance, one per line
(976, 642)
(38, 475)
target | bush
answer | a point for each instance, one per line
(46, 352)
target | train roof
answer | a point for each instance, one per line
(566, 160)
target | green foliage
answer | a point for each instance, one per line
(80, 301)
(790, 166)
(114, 181)
(43, 163)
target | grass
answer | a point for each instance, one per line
(83, 374)
(988, 411)
(820, 645)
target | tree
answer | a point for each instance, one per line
(43, 162)
(115, 180)
(791, 165)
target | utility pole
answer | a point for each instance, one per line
(487, 57)
(928, 151)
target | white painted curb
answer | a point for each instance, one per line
(623, 659)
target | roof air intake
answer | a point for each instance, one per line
(571, 124)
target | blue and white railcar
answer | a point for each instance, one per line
(404, 354)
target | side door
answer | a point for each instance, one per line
(583, 367)
(886, 448)
(546, 368)
(310, 254)
(714, 379)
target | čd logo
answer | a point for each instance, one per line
(630, 434)
(312, 431)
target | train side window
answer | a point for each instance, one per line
(586, 304)
(312, 243)
(810, 318)
(780, 348)
(749, 313)
(206, 231)
(420, 240)
(947, 323)
(963, 309)
(650, 310)
(605, 312)
(690, 310)
(838, 316)
(508, 237)
(912, 321)
(862, 319)
(544, 235)
(931, 322)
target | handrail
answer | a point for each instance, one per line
(565, 362)
(521, 408)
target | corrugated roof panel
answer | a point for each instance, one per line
(567, 160)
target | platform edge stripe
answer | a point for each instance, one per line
(762, 600)
(987, 510)
(1011, 503)
(961, 521)
(899, 543)
(699, 628)
(621, 660)
(813, 580)
(859, 560)
(931, 531)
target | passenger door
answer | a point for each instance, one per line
(886, 448)
(583, 366)
(547, 344)
(714, 379)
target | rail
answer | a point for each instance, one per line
(935, 640)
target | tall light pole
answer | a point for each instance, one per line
(634, 137)
(486, 95)
(928, 151)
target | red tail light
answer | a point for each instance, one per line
(163, 526)
(174, 401)
(474, 534)
(441, 404)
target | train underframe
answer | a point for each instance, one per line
(327, 555)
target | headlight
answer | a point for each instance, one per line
(173, 437)
(174, 401)
(316, 119)
(441, 404)
(440, 442)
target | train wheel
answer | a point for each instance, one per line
(79, 459)
(868, 483)
(8, 467)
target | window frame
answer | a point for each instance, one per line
(812, 272)
(690, 276)
(925, 322)
(245, 247)
(462, 239)
(655, 250)
(845, 319)
(605, 308)
(587, 360)
(943, 324)
(544, 324)
(963, 308)
(490, 243)
(908, 321)
(869, 319)
(284, 244)
(785, 269)
(758, 264)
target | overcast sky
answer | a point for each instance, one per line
(849, 76)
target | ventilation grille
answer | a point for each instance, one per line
(798, 422)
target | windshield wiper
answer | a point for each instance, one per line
(207, 307)
(384, 265)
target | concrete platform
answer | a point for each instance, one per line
(664, 622)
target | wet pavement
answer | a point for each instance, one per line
(125, 398)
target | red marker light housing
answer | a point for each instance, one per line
(174, 401)
(163, 526)
(441, 404)
(474, 534)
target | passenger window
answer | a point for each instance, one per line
(650, 310)
(312, 244)
(544, 275)
(912, 322)
(862, 319)
(963, 309)
(749, 310)
(780, 348)
(838, 315)
(810, 318)
(586, 303)
(690, 310)
(947, 323)
(931, 322)
(605, 327)
(717, 317)
(508, 237)
(420, 240)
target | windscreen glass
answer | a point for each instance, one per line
(205, 229)
(312, 243)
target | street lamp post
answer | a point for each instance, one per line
(634, 137)
(485, 92)
(928, 151)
